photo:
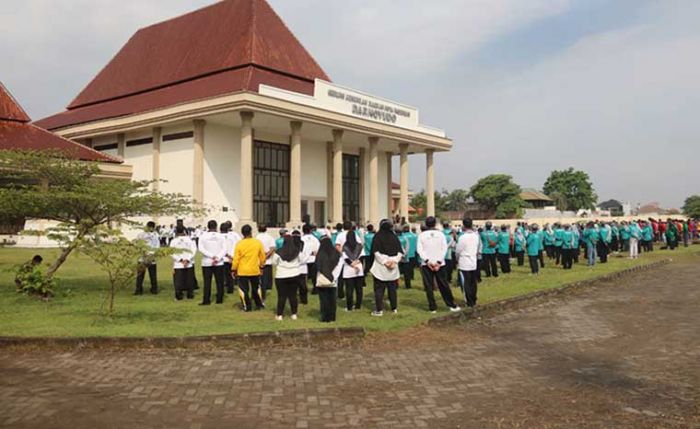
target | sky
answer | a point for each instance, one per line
(523, 87)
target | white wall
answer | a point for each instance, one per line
(382, 184)
(141, 159)
(222, 153)
(313, 169)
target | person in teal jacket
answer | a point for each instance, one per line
(504, 249)
(558, 231)
(567, 247)
(647, 237)
(590, 239)
(534, 249)
(519, 241)
(540, 235)
(368, 259)
(624, 236)
(489, 244)
(576, 251)
(451, 243)
(615, 244)
(604, 242)
(548, 235)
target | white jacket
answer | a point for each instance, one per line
(312, 244)
(467, 251)
(432, 247)
(231, 238)
(212, 246)
(188, 250)
(381, 272)
(285, 269)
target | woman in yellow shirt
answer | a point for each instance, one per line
(248, 258)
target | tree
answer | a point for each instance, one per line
(49, 185)
(691, 208)
(499, 193)
(573, 189)
(419, 201)
(457, 200)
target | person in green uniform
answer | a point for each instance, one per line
(449, 260)
(519, 243)
(590, 238)
(624, 236)
(548, 236)
(534, 249)
(647, 237)
(367, 239)
(504, 249)
(558, 231)
(567, 247)
(671, 234)
(489, 244)
(405, 266)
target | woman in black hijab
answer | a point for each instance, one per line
(329, 265)
(287, 276)
(387, 253)
(353, 271)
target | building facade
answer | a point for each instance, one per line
(225, 105)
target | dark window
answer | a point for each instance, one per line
(178, 136)
(139, 142)
(271, 184)
(107, 147)
(351, 188)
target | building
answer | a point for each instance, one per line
(536, 199)
(613, 206)
(396, 200)
(226, 105)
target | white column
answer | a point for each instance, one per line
(121, 145)
(246, 195)
(337, 176)
(295, 176)
(389, 183)
(329, 183)
(157, 136)
(374, 181)
(198, 162)
(429, 182)
(362, 171)
(403, 200)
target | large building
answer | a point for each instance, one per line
(226, 105)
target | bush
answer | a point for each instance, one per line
(32, 280)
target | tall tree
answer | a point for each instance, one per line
(456, 200)
(573, 189)
(48, 185)
(499, 193)
(420, 201)
(691, 208)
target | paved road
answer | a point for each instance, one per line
(618, 356)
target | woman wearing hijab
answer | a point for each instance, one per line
(387, 253)
(353, 272)
(329, 264)
(287, 275)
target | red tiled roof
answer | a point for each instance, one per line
(230, 46)
(17, 133)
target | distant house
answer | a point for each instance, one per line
(615, 207)
(536, 199)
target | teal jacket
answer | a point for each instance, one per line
(520, 239)
(548, 238)
(591, 237)
(534, 243)
(487, 235)
(558, 237)
(605, 234)
(647, 233)
(635, 231)
(369, 237)
(412, 244)
(567, 239)
(625, 233)
(504, 242)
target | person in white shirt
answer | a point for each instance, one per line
(287, 261)
(353, 272)
(387, 253)
(467, 251)
(269, 247)
(432, 248)
(304, 256)
(343, 230)
(151, 238)
(230, 239)
(311, 243)
(212, 246)
(183, 263)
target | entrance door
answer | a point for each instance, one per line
(351, 188)
(320, 213)
(271, 184)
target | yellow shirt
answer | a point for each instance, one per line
(248, 257)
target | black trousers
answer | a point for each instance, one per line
(406, 269)
(152, 276)
(479, 267)
(567, 258)
(469, 286)
(549, 248)
(367, 262)
(218, 274)
(303, 289)
(603, 251)
(313, 272)
(489, 262)
(228, 277)
(541, 257)
(353, 292)
(504, 260)
(287, 291)
(341, 288)
(327, 299)
(449, 267)
(557, 254)
(247, 286)
(380, 287)
(521, 257)
(436, 278)
(266, 280)
(534, 265)
(183, 278)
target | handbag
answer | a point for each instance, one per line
(323, 281)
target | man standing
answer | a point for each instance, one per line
(230, 240)
(249, 259)
(269, 247)
(311, 244)
(212, 246)
(449, 262)
(432, 247)
(504, 249)
(519, 240)
(590, 239)
(558, 234)
(635, 235)
(183, 263)
(467, 251)
(489, 244)
(534, 249)
(368, 239)
(405, 265)
(148, 263)
(567, 247)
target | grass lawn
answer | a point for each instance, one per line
(75, 310)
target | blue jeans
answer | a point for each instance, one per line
(590, 252)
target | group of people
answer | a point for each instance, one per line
(336, 261)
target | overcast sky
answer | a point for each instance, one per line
(522, 86)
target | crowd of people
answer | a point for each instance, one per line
(336, 262)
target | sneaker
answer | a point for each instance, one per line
(294, 317)
(347, 310)
(395, 311)
(432, 311)
(279, 318)
(455, 309)
(377, 313)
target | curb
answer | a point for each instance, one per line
(534, 297)
(297, 336)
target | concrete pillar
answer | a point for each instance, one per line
(121, 145)
(246, 194)
(157, 135)
(403, 200)
(429, 182)
(329, 182)
(374, 181)
(198, 162)
(362, 171)
(389, 183)
(337, 176)
(295, 176)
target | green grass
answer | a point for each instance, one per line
(75, 310)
